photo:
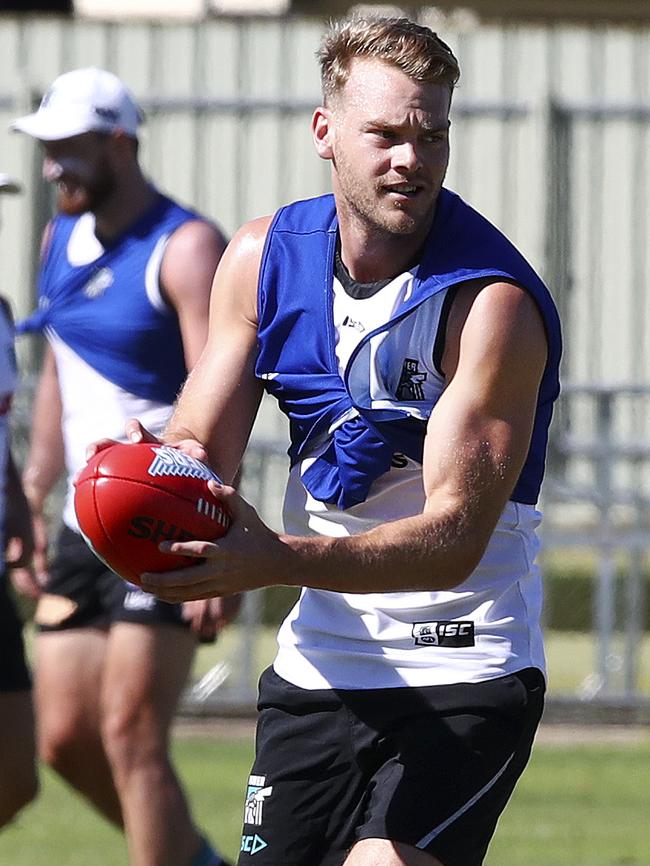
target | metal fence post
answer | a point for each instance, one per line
(604, 613)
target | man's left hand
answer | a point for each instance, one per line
(249, 556)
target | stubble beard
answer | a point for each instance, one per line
(76, 198)
(374, 209)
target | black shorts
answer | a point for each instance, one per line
(83, 592)
(430, 767)
(14, 673)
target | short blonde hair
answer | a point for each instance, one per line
(414, 49)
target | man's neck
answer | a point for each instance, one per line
(371, 255)
(129, 202)
(379, 257)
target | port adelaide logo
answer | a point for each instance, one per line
(411, 381)
(258, 791)
(256, 795)
(451, 633)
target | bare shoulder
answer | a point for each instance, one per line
(493, 317)
(189, 262)
(493, 298)
(247, 244)
(196, 237)
(234, 291)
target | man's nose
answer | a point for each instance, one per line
(405, 155)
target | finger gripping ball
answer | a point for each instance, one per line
(129, 498)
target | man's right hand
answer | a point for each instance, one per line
(136, 433)
(28, 567)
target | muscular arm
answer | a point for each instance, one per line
(46, 458)
(477, 440)
(186, 275)
(45, 461)
(221, 396)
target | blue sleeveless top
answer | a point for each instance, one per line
(297, 358)
(101, 309)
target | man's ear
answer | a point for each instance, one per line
(322, 130)
(122, 146)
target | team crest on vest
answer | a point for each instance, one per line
(98, 283)
(411, 381)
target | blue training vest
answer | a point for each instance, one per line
(101, 309)
(297, 358)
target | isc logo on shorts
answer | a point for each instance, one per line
(453, 633)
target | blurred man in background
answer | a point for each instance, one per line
(123, 301)
(18, 780)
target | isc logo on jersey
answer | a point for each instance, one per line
(449, 633)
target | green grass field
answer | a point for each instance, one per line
(578, 804)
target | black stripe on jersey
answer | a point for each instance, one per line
(358, 291)
(441, 336)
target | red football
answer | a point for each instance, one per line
(129, 498)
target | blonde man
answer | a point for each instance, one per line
(416, 354)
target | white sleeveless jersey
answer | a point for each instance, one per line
(8, 378)
(94, 407)
(485, 628)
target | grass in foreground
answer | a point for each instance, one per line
(577, 805)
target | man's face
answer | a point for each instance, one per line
(389, 146)
(81, 168)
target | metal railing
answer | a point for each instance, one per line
(597, 475)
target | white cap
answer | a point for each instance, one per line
(84, 100)
(8, 184)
